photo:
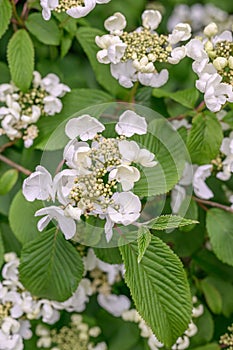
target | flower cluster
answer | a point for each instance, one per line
(137, 55)
(77, 336)
(99, 177)
(213, 63)
(227, 339)
(74, 8)
(22, 110)
(153, 343)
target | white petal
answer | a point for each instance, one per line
(116, 23)
(85, 127)
(151, 19)
(114, 304)
(131, 123)
(153, 79)
(181, 32)
(81, 11)
(199, 185)
(38, 185)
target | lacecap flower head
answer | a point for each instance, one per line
(22, 110)
(133, 56)
(73, 8)
(99, 178)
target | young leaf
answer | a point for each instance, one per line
(159, 288)
(109, 255)
(50, 267)
(144, 239)
(212, 296)
(8, 180)
(186, 98)
(166, 222)
(5, 15)
(220, 229)
(46, 32)
(20, 55)
(22, 220)
(204, 139)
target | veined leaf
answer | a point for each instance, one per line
(144, 239)
(8, 180)
(159, 288)
(50, 267)
(186, 98)
(166, 222)
(2, 250)
(212, 296)
(46, 32)
(220, 230)
(20, 55)
(5, 15)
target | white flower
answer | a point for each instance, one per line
(227, 149)
(66, 224)
(211, 29)
(63, 183)
(113, 49)
(84, 127)
(195, 50)
(47, 7)
(192, 330)
(76, 156)
(38, 185)
(81, 11)
(52, 105)
(153, 79)
(181, 32)
(114, 304)
(177, 54)
(131, 152)
(178, 195)
(126, 175)
(125, 73)
(153, 343)
(198, 311)
(199, 185)
(51, 84)
(151, 19)
(181, 343)
(5, 89)
(116, 23)
(131, 123)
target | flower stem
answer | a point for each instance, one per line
(15, 165)
(6, 145)
(133, 92)
(213, 204)
(15, 14)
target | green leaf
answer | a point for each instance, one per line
(5, 73)
(20, 55)
(86, 38)
(205, 138)
(50, 267)
(212, 346)
(2, 250)
(212, 296)
(159, 288)
(22, 220)
(46, 32)
(205, 325)
(109, 255)
(8, 180)
(5, 15)
(186, 98)
(144, 239)
(10, 242)
(66, 43)
(166, 222)
(219, 225)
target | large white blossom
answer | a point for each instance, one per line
(75, 9)
(100, 176)
(130, 56)
(21, 110)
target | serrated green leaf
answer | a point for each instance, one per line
(166, 222)
(5, 15)
(46, 32)
(5, 73)
(205, 138)
(8, 180)
(159, 288)
(219, 225)
(22, 220)
(144, 239)
(109, 255)
(50, 267)
(20, 55)
(186, 98)
(212, 296)
(86, 38)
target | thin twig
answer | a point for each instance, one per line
(15, 165)
(213, 204)
(6, 145)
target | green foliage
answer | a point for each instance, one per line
(7, 181)
(186, 98)
(159, 289)
(20, 54)
(109, 255)
(5, 15)
(2, 249)
(212, 295)
(204, 139)
(46, 32)
(167, 222)
(50, 266)
(22, 219)
(144, 239)
(220, 229)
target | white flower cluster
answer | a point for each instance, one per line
(77, 336)
(133, 56)
(153, 343)
(74, 8)
(99, 178)
(199, 16)
(22, 110)
(213, 63)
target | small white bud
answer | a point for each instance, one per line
(230, 62)
(211, 29)
(209, 46)
(220, 63)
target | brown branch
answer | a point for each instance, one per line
(6, 145)
(15, 165)
(213, 204)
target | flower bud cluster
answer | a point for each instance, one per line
(22, 110)
(99, 178)
(133, 56)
